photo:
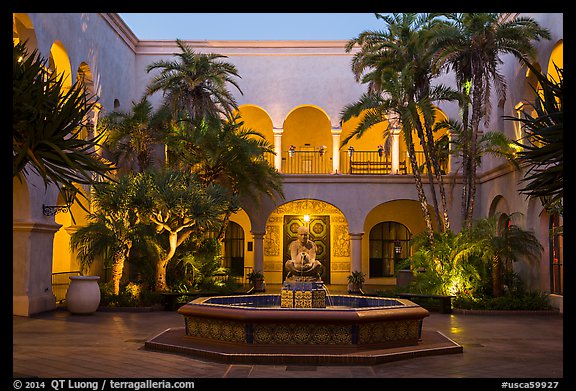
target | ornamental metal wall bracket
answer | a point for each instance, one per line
(68, 192)
(51, 210)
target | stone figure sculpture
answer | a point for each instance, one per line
(302, 262)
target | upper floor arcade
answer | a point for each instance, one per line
(307, 143)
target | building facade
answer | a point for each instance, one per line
(359, 200)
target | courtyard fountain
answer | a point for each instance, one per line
(303, 324)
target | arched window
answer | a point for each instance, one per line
(389, 244)
(234, 249)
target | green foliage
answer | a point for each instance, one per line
(254, 276)
(532, 301)
(198, 268)
(130, 295)
(445, 267)
(542, 147)
(131, 137)
(356, 277)
(49, 124)
(227, 153)
(475, 264)
(195, 84)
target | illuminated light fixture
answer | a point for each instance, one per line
(69, 194)
(307, 218)
(397, 247)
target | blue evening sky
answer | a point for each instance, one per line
(250, 26)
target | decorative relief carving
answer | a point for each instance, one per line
(272, 240)
(307, 207)
(273, 266)
(340, 266)
(341, 241)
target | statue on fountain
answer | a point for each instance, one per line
(302, 264)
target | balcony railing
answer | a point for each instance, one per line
(369, 162)
(351, 162)
(306, 162)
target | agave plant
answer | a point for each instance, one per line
(48, 122)
(543, 144)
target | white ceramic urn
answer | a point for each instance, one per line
(83, 295)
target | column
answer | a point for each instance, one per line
(32, 245)
(394, 128)
(356, 251)
(258, 250)
(395, 134)
(336, 150)
(278, 148)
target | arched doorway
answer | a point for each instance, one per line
(389, 244)
(328, 229)
(319, 233)
(234, 249)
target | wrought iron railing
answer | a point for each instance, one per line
(60, 283)
(379, 163)
(306, 162)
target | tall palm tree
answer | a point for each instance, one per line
(195, 85)
(471, 45)
(383, 108)
(132, 136)
(396, 65)
(47, 125)
(113, 228)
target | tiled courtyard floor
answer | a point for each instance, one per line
(111, 344)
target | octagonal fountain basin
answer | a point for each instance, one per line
(256, 329)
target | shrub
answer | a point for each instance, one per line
(531, 301)
(130, 295)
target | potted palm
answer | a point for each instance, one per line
(256, 280)
(355, 281)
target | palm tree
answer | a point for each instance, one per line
(229, 155)
(396, 65)
(499, 242)
(48, 121)
(131, 136)
(178, 205)
(195, 84)
(489, 143)
(471, 45)
(112, 230)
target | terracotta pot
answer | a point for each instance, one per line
(83, 295)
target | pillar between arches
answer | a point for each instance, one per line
(278, 148)
(336, 132)
(356, 251)
(258, 250)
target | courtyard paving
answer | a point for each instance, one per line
(58, 344)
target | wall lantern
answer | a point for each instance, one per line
(397, 247)
(69, 194)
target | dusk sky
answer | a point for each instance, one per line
(250, 26)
